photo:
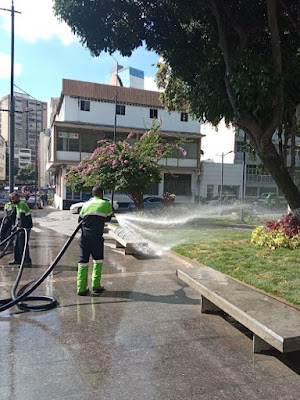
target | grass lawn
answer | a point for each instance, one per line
(229, 251)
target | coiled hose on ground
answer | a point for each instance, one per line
(17, 298)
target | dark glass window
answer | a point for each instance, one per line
(62, 141)
(153, 113)
(84, 105)
(184, 117)
(89, 142)
(68, 141)
(68, 193)
(179, 184)
(73, 141)
(120, 109)
(153, 189)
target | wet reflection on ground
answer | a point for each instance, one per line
(144, 338)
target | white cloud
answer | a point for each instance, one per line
(5, 66)
(36, 21)
(149, 83)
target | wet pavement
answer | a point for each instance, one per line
(144, 338)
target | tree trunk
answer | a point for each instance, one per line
(293, 156)
(273, 162)
(137, 197)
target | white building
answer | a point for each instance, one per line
(127, 77)
(43, 178)
(22, 157)
(226, 162)
(86, 114)
(217, 162)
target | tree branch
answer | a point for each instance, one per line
(295, 21)
(239, 29)
(225, 51)
(249, 124)
(277, 62)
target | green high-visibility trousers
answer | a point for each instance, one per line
(82, 278)
(96, 276)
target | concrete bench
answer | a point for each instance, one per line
(131, 244)
(273, 323)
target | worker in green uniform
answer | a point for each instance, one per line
(93, 215)
(24, 221)
(8, 221)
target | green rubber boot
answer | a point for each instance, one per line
(82, 280)
(96, 278)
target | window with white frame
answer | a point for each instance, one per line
(68, 141)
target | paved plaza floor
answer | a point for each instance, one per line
(143, 338)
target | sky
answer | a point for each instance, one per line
(46, 51)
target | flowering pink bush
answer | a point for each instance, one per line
(129, 168)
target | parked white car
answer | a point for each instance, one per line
(76, 208)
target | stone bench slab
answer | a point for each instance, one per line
(130, 245)
(273, 323)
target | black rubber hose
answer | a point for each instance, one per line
(3, 251)
(17, 298)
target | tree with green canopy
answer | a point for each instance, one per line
(26, 174)
(128, 167)
(236, 60)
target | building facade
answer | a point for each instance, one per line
(226, 162)
(43, 174)
(30, 120)
(86, 113)
(127, 77)
(2, 159)
(257, 179)
(22, 157)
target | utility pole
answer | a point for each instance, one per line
(12, 100)
(243, 178)
(36, 153)
(116, 100)
(115, 124)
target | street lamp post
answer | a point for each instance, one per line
(222, 175)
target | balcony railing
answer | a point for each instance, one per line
(259, 178)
